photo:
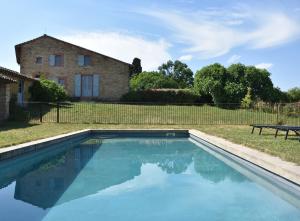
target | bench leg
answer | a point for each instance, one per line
(276, 133)
(286, 134)
(252, 130)
(260, 131)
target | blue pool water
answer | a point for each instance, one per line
(137, 179)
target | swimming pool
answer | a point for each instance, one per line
(140, 176)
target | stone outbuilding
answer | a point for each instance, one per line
(14, 86)
(5, 83)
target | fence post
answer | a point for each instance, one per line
(57, 112)
(277, 114)
(41, 113)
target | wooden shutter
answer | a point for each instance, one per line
(96, 79)
(77, 85)
(81, 60)
(52, 60)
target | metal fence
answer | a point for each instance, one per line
(149, 113)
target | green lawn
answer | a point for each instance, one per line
(83, 112)
(14, 133)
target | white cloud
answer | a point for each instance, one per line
(186, 57)
(274, 29)
(233, 59)
(264, 66)
(123, 46)
(212, 33)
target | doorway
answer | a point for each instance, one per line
(87, 85)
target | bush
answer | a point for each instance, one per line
(161, 96)
(151, 80)
(247, 100)
(294, 94)
(47, 91)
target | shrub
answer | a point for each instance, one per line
(151, 80)
(161, 96)
(247, 100)
(47, 91)
(294, 94)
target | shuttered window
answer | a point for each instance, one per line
(77, 86)
(96, 85)
(56, 60)
(84, 60)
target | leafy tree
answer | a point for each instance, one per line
(210, 80)
(279, 96)
(230, 85)
(47, 90)
(260, 82)
(234, 92)
(151, 80)
(236, 73)
(235, 86)
(136, 67)
(294, 94)
(178, 71)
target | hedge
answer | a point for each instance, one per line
(164, 96)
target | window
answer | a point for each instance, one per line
(39, 60)
(84, 60)
(61, 81)
(56, 60)
(87, 60)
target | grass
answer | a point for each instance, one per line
(12, 133)
(83, 112)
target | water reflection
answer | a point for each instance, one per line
(42, 182)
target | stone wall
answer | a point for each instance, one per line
(114, 74)
(4, 101)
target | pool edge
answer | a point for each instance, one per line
(287, 170)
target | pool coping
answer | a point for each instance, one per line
(287, 170)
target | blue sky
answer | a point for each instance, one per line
(264, 33)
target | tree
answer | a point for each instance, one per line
(230, 85)
(136, 67)
(151, 80)
(237, 73)
(279, 96)
(178, 71)
(210, 80)
(235, 86)
(260, 82)
(294, 94)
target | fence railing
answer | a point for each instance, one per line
(149, 113)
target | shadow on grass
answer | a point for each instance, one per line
(281, 136)
(9, 125)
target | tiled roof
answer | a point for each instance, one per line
(6, 79)
(18, 47)
(14, 75)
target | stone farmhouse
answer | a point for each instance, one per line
(85, 74)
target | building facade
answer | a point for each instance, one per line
(13, 87)
(83, 73)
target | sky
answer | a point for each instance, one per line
(263, 33)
